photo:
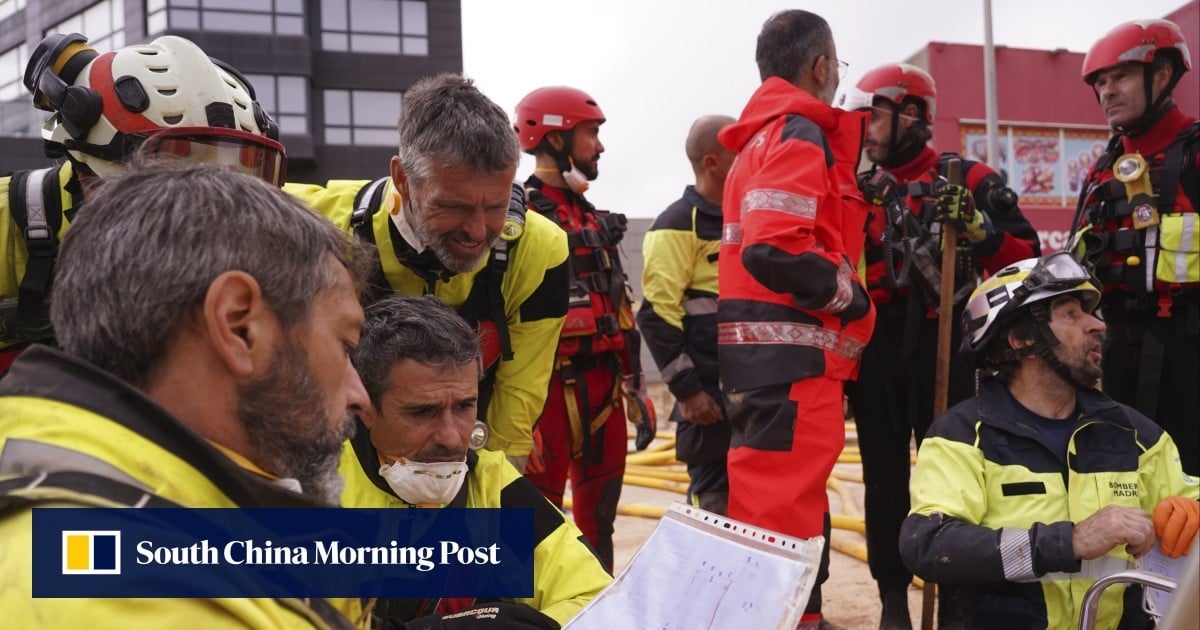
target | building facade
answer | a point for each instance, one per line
(331, 72)
(1050, 127)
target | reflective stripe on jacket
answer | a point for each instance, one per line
(678, 315)
(993, 508)
(59, 414)
(792, 239)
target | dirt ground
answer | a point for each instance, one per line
(851, 599)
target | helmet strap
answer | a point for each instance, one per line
(1043, 347)
(1154, 110)
(901, 150)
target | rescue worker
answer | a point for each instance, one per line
(106, 106)
(1026, 493)
(893, 395)
(203, 364)
(445, 223)
(597, 381)
(678, 315)
(415, 446)
(1137, 216)
(793, 314)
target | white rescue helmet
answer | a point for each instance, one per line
(165, 97)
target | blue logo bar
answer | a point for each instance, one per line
(393, 553)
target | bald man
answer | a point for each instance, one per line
(678, 317)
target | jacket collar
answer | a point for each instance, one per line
(701, 204)
(997, 407)
(44, 372)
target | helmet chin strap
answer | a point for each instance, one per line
(1043, 346)
(1154, 110)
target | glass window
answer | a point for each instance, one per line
(9, 7)
(374, 43)
(413, 19)
(285, 98)
(361, 117)
(333, 15)
(416, 46)
(337, 107)
(103, 23)
(335, 41)
(17, 114)
(235, 22)
(289, 25)
(375, 26)
(236, 16)
(12, 70)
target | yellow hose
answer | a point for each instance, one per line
(658, 472)
(657, 484)
(848, 523)
(848, 476)
(651, 458)
(849, 506)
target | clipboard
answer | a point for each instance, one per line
(701, 570)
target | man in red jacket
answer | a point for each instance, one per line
(793, 316)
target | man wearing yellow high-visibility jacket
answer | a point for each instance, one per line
(417, 446)
(1028, 492)
(678, 316)
(447, 222)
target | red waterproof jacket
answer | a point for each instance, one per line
(791, 303)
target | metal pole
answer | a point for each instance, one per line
(1091, 599)
(989, 91)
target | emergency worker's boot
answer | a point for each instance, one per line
(895, 612)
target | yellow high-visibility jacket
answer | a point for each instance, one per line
(534, 291)
(566, 572)
(59, 415)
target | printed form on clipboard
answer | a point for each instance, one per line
(698, 570)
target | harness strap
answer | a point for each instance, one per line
(36, 208)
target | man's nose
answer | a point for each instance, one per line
(356, 393)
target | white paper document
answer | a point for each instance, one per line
(698, 570)
(1156, 602)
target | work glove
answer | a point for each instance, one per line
(1176, 520)
(492, 615)
(639, 410)
(956, 204)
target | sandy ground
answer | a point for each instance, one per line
(851, 599)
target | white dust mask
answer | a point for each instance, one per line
(420, 483)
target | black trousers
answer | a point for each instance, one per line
(1151, 364)
(893, 403)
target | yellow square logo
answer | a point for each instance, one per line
(91, 553)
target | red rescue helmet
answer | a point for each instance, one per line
(894, 82)
(557, 108)
(1136, 41)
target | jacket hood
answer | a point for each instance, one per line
(776, 97)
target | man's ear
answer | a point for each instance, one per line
(240, 327)
(556, 140)
(1161, 78)
(820, 71)
(1016, 343)
(908, 115)
(399, 177)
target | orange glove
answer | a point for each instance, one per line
(1176, 520)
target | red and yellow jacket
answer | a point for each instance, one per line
(791, 303)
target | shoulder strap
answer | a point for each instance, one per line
(366, 203)
(36, 207)
(1188, 142)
